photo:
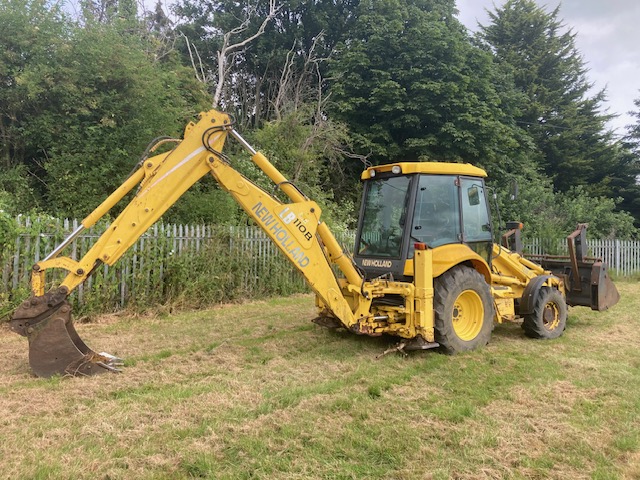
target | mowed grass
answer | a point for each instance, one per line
(257, 391)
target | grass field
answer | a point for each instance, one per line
(257, 391)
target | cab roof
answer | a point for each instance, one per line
(433, 168)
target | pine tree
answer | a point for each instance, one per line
(566, 124)
(630, 155)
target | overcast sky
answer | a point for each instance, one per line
(608, 36)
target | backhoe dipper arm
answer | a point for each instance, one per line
(296, 228)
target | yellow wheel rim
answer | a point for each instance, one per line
(551, 316)
(468, 315)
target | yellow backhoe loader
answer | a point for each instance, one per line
(425, 268)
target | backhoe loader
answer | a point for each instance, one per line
(425, 268)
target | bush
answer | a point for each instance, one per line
(549, 214)
(227, 269)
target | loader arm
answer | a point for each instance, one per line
(295, 227)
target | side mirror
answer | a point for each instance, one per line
(474, 195)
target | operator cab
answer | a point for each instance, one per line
(432, 203)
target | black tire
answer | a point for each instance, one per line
(549, 317)
(463, 309)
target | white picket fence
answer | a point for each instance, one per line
(141, 272)
(621, 256)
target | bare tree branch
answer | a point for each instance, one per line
(310, 60)
(229, 48)
(285, 79)
(199, 67)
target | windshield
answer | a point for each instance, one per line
(385, 211)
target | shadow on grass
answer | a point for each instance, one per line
(508, 330)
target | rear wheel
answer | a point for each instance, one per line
(463, 310)
(549, 317)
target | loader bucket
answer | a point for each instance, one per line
(586, 278)
(604, 292)
(55, 348)
(587, 282)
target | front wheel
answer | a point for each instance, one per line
(549, 317)
(463, 309)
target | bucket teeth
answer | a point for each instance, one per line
(55, 348)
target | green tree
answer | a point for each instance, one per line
(106, 100)
(629, 152)
(632, 139)
(307, 149)
(280, 78)
(551, 215)
(80, 101)
(17, 194)
(32, 34)
(566, 124)
(410, 85)
(109, 11)
(299, 28)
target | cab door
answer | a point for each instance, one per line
(476, 223)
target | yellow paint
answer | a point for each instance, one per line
(298, 231)
(468, 315)
(514, 271)
(505, 308)
(446, 257)
(430, 168)
(281, 222)
(423, 279)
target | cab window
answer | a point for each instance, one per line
(475, 214)
(436, 218)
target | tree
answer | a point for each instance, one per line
(307, 149)
(629, 151)
(632, 139)
(277, 80)
(106, 99)
(566, 124)
(109, 12)
(31, 36)
(233, 43)
(297, 29)
(552, 215)
(411, 86)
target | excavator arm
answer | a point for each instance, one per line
(295, 227)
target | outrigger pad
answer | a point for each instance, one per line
(55, 348)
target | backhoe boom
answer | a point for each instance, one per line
(295, 227)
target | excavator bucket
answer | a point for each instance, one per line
(55, 348)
